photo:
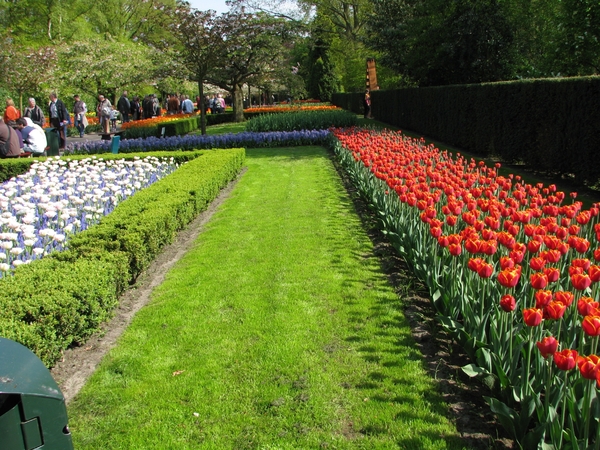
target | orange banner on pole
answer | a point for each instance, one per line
(371, 74)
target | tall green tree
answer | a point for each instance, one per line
(435, 42)
(41, 22)
(579, 37)
(322, 82)
(253, 50)
(105, 67)
(201, 43)
(145, 21)
(23, 70)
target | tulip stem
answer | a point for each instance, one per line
(529, 351)
(587, 411)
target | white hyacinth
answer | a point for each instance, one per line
(40, 209)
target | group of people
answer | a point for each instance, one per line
(22, 134)
(26, 132)
(216, 103)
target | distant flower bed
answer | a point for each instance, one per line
(56, 198)
(192, 142)
(289, 107)
(153, 122)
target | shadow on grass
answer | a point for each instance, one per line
(303, 152)
(393, 349)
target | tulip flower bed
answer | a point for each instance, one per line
(513, 273)
(192, 142)
(174, 124)
(61, 299)
(154, 121)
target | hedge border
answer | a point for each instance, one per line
(48, 314)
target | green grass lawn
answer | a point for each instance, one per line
(277, 330)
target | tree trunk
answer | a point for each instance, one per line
(202, 107)
(238, 103)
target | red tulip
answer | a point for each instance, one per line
(537, 263)
(443, 241)
(582, 245)
(516, 256)
(547, 346)
(538, 280)
(436, 232)
(533, 246)
(562, 232)
(533, 317)
(565, 297)
(455, 249)
(591, 325)
(552, 273)
(574, 269)
(489, 247)
(586, 306)
(506, 263)
(552, 256)
(485, 270)
(554, 310)
(594, 273)
(474, 264)
(580, 281)
(584, 263)
(509, 277)
(508, 303)
(542, 298)
(565, 359)
(473, 245)
(588, 366)
(583, 217)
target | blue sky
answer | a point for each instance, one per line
(203, 5)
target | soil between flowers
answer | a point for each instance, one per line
(441, 356)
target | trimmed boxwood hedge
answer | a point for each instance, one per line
(47, 313)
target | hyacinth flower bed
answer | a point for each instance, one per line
(513, 272)
(302, 120)
(193, 142)
(56, 199)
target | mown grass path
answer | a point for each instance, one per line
(277, 330)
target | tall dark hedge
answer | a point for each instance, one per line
(549, 124)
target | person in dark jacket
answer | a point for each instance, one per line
(124, 107)
(35, 113)
(10, 136)
(59, 117)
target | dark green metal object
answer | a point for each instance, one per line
(53, 141)
(33, 414)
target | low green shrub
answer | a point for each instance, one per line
(62, 299)
(140, 132)
(301, 120)
(13, 167)
(216, 119)
(179, 127)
